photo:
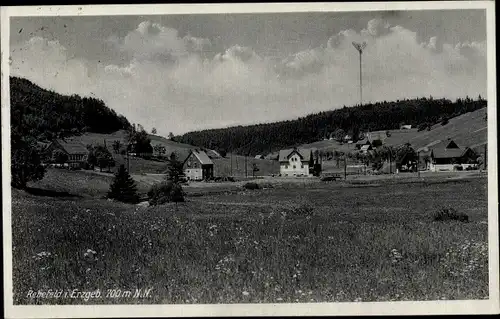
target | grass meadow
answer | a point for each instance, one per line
(286, 242)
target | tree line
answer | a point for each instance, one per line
(265, 138)
(47, 115)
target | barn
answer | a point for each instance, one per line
(77, 153)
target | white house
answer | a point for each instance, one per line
(296, 162)
(405, 127)
(198, 166)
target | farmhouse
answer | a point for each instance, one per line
(296, 162)
(76, 152)
(447, 156)
(198, 166)
(405, 127)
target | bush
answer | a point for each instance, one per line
(251, 186)
(444, 122)
(165, 192)
(300, 211)
(458, 168)
(446, 214)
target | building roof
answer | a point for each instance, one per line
(202, 157)
(447, 153)
(365, 147)
(305, 153)
(363, 141)
(72, 146)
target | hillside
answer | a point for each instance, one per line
(468, 130)
(45, 115)
(380, 116)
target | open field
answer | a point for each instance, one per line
(297, 240)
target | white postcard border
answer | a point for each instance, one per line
(490, 306)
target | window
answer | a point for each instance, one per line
(286, 166)
(302, 166)
(293, 166)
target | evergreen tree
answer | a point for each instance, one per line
(123, 187)
(26, 161)
(116, 146)
(174, 169)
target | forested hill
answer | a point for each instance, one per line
(264, 138)
(45, 115)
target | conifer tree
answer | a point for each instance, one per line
(123, 187)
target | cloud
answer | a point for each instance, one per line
(376, 28)
(169, 82)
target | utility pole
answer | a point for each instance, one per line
(360, 47)
(485, 160)
(246, 166)
(345, 167)
(231, 159)
(418, 162)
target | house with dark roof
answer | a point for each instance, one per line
(77, 152)
(297, 162)
(198, 166)
(446, 156)
(362, 142)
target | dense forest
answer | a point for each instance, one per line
(46, 115)
(269, 137)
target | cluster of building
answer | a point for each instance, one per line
(198, 165)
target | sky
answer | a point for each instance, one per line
(181, 73)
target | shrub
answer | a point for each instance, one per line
(165, 192)
(327, 178)
(446, 214)
(458, 168)
(251, 185)
(444, 122)
(299, 211)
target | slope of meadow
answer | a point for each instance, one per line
(468, 130)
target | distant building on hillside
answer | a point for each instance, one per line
(198, 166)
(362, 143)
(296, 162)
(447, 155)
(77, 153)
(259, 156)
(372, 136)
(405, 127)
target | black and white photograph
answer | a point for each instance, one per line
(251, 159)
